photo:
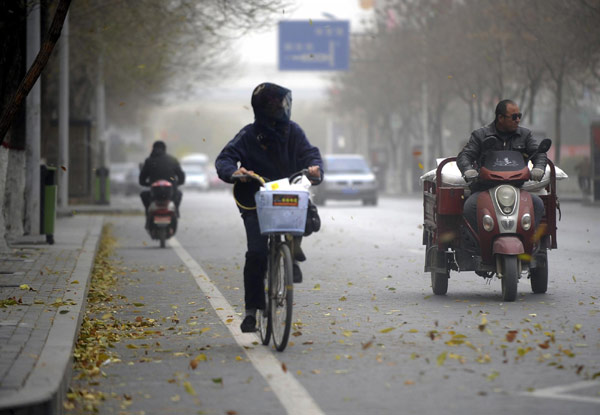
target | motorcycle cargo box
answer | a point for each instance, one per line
(450, 200)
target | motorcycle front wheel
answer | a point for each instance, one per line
(510, 277)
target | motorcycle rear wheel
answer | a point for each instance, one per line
(439, 282)
(510, 277)
(162, 235)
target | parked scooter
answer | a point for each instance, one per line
(506, 243)
(162, 213)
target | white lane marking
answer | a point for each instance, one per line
(557, 392)
(290, 392)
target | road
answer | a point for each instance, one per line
(369, 336)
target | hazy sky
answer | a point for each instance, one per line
(259, 55)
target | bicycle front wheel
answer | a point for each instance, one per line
(263, 320)
(281, 296)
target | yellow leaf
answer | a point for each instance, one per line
(132, 346)
(347, 333)
(75, 282)
(238, 358)
(492, 376)
(387, 330)
(201, 358)
(204, 330)
(342, 298)
(175, 398)
(317, 287)
(413, 331)
(189, 388)
(441, 358)
(24, 287)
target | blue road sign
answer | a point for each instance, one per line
(314, 45)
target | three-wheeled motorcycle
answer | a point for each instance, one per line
(506, 243)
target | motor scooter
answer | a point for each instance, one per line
(506, 242)
(161, 222)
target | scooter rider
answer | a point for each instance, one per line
(273, 147)
(161, 166)
(510, 136)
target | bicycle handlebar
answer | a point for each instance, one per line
(262, 180)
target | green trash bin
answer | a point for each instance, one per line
(48, 194)
(102, 186)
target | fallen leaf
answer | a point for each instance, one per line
(441, 358)
(492, 376)
(510, 336)
(189, 388)
(366, 345)
(387, 330)
(284, 367)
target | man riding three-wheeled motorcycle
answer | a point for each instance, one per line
(503, 223)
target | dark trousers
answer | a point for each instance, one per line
(470, 209)
(256, 262)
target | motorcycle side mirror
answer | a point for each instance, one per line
(489, 142)
(544, 145)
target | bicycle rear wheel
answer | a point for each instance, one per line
(262, 316)
(281, 296)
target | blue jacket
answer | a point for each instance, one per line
(283, 156)
(279, 158)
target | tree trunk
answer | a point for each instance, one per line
(557, 115)
(36, 68)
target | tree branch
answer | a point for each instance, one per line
(36, 68)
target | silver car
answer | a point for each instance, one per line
(347, 177)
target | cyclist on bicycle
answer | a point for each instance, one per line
(273, 147)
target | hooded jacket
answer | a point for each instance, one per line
(274, 147)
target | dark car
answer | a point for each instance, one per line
(347, 177)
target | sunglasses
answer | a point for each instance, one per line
(514, 116)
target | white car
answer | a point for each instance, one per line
(196, 177)
(347, 177)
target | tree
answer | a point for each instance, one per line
(33, 73)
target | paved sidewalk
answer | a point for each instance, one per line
(43, 291)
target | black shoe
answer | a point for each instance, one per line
(298, 253)
(248, 325)
(297, 273)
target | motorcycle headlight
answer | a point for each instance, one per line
(526, 221)
(506, 197)
(488, 223)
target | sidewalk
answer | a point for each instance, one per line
(43, 291)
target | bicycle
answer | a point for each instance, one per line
(281, 215)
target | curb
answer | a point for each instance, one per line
(46, 386)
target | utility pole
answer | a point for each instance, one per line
(63, 118)
(101, 115)
(425, 126)
(33, 128)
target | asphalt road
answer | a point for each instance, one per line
(369, 335)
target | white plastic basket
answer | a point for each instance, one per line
(282, 211)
